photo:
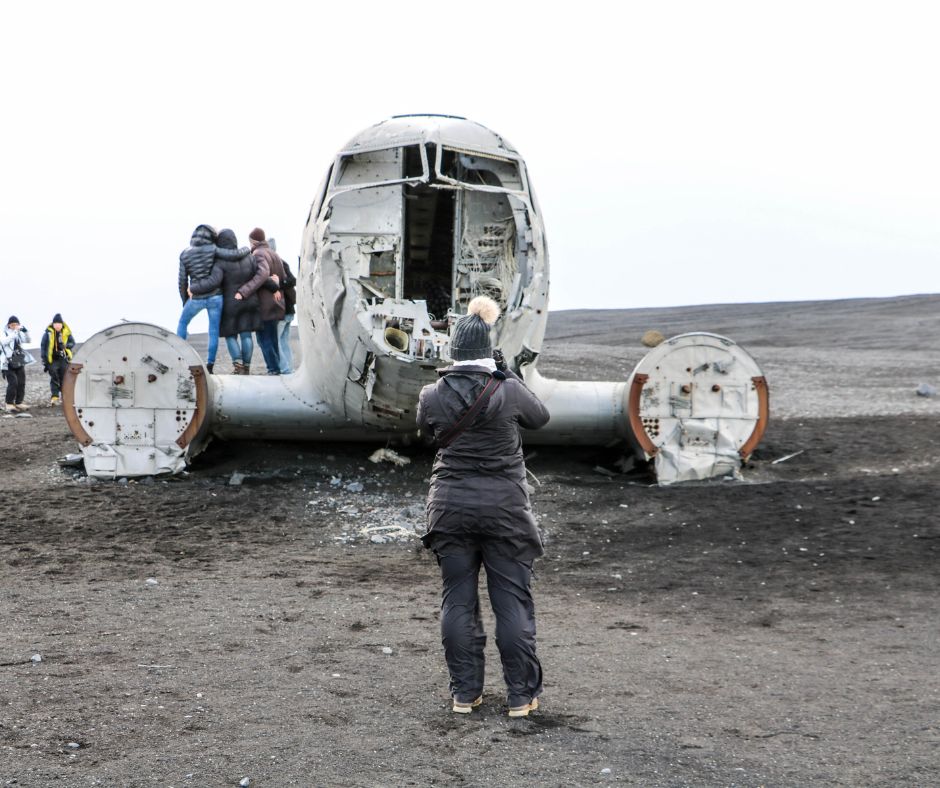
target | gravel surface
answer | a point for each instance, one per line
(776, 631)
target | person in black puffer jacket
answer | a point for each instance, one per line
(196, 269)
(239, 316)
(479, 513)
(196, 263)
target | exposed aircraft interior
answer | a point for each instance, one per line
(432, 225)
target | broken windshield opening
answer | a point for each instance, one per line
(389, 165)
(429, 215)
(477, 169)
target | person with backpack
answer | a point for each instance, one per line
(56, 352)
(479, 513)
(13, 360)
(283, 327)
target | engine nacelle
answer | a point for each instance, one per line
(698, 406)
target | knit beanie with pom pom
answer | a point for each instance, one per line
(471, 336)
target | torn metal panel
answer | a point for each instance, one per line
(696, 450)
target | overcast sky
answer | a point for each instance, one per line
(683, 153)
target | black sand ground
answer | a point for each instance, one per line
(780, 631)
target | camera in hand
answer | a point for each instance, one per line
(500, 360)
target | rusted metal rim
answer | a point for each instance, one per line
(763, 415)
(202, 407)
(633, 413)
(68, 405)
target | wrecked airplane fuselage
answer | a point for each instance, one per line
(415, 217)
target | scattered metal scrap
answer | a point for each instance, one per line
(388, 455)
(787, 457)
(387, 533)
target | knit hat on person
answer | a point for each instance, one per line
(256, 236)
(57, 318)
(227, 240)
(471, 336)
(13, 319)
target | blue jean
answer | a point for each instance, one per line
(283, 344)
(267, 338)
(240, 347)
(213, 305)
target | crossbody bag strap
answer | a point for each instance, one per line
(467, 419)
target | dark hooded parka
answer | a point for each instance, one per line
(478, 482)
(238, 314)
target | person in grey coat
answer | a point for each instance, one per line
(479, 513)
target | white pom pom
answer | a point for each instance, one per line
(485, 307)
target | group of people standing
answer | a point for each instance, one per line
(55, 351)
(245, 291)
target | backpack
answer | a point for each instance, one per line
(18, 359)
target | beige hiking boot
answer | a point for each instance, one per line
(523, 711)
(465, 708)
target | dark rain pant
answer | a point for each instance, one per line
(16, 385)
(509, 584)
(57, 374)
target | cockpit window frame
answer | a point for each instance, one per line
(334, 188)
(484, 154)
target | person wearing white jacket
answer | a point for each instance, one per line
(13, 360)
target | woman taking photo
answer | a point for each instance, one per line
(13, 360)
(479, 513)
